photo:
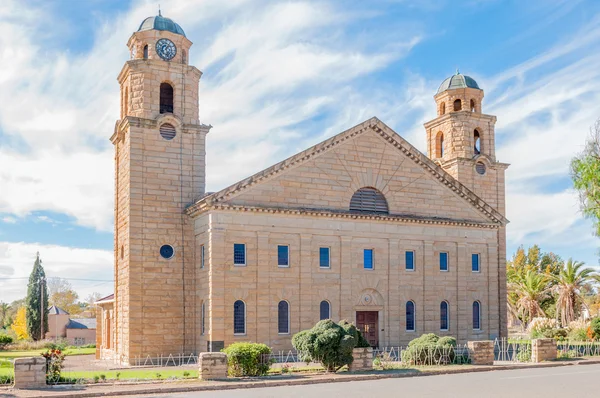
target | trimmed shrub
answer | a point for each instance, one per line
(329, 343)
(247, 359)
(430, 349)
(5, 340)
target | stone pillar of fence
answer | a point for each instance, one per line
(362, 359)
(543, 350)
(30, 372)
(212, 366)
(481, 352)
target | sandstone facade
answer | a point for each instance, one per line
(182, 300)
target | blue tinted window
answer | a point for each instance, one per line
(444, 315)
(410, 261)
(283, 258)
(475, 262)
(476, 315)
(324, 257)
(239, 254)
(283, 317)
(443, 261)
(368, 259)
(324, 310)
(239, 317)
(410, 316)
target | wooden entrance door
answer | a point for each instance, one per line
(368, 323)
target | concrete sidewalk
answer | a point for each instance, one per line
(122, 388)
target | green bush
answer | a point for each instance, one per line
(579, 334)
(329, 343)
(595, 326)
(247, 359)
(5, 340)
(430, 349)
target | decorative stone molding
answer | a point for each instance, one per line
(543, 350)
(481, 352)
(212, 366)
(30, 372)
(362, 360)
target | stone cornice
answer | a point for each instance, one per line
(132, 121)
(459, 115)
(396, 218)
(150, 65)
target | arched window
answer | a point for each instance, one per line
(166, 98)
(439, 145)
(325, 310)
(283, 317)
(239, 317)
(444, 317)
(477, 142)
(472, 105)
(183, 57)
(146, 51)
(476, 315)
(443, 109)
(368, 200)
(410, 316)
(457, 105)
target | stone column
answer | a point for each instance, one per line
(30, 372)
(212, 366)
(481, 352)
(543, 350)
(362, 359)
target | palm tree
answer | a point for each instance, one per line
(531, 289)
(4, 307)
(569, 282)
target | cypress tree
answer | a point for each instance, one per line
(36, 303)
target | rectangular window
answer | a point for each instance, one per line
(368, 259)
(443, 261)
(475, 262)
(202, 256)
(239, 254)
(203, 317)
(283, 256)
(410, 260)
(324, 257)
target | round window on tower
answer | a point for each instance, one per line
(480, 168)
(167, 131)
(167, 251)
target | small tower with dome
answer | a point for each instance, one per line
(461, 139)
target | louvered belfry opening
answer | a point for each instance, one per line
(167, 131)
(368, 200)
(166, 98)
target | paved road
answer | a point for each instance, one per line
(570, 381)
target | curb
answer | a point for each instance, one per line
(281, 383)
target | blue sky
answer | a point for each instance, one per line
(280, 76)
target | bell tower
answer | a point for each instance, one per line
(461, 139)
(159, 170)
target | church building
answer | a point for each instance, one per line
(362, 226)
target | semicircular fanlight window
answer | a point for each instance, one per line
(368, 200)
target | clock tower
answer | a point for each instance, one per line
(159, 171)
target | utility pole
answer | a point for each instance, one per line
(42, 309)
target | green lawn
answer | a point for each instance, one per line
(35, 353)
(125, 374)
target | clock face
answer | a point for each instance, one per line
(166, 49)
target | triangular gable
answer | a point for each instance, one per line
(434, 182)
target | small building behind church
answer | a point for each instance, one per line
(76, 331)
(362, 226)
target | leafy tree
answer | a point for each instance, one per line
(37, 301)
(570, 283)
(585, 172)
(62, 295)
(19, 326)
(4, 309)
(90, 302)
(530, 290)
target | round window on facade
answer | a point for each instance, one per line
(167, 131)
(167, 251)
(480, 168)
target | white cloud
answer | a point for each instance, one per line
(9, 220)
(16, 262)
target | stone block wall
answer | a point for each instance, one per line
(363, 359)
(481, 352)
(30, 372)
(212, 366)
(543, 350)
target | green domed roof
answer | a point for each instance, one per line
(458, 81)
(161, 23)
